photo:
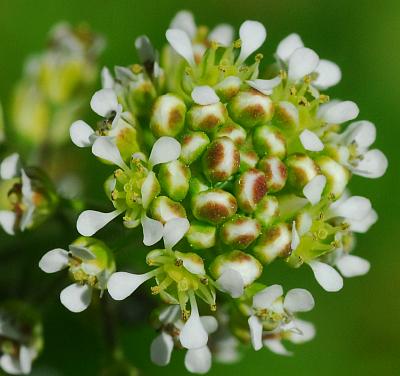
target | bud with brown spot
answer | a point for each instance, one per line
(193, 146)
(228, 88)
(240, 231)
(250, 188)
(301, 170)
(267, 211)
(164, 209)
(174, 179)
(269, 140)
(337, 176)
(275, 171)
(207, 118)
(233, 131)
(201, 235)
(248, 159)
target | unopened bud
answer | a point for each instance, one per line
(197, 185)
(201, 235)
(337, 176)
(240, 231)
(228, 88)
(268, 140)
(193, 146)
(141, 95)
(275, 172)
(233, 131)
(164, 209)
(248, 160)
(174, 179)
(207, 118)
(250, 188)
(267, 211)
(301, 170)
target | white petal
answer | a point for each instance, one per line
(354, 208)
(302, 62)
(252, 35)
(363, 225)
(198, 360)
(174, 230)
(192, 265)
(256, 329)
(81, 134)
(152, 230)
(311, 141)
(231, 281)
(362, 132)
(373, 165)
(184, 20)
(104, 102)
(10, 364)
(329, 74)
(204, 95)
(298, 300)
(161, 349)
(82, 252)
(26, 186)
(76, 297)
(54, 260)
(295, 237)
(181, 43)
(7, 221)
(121, 284)
(265, 298)
(210, 324)
(288, 45)
(275, 345)
(25, 360)
(352, 266)
(10, 166)
(193, 335)
(145, 50)
(107, 81)
(313, 190)
(222, 34)
(27, 217)
(264, 86)
(104, 148)
(340, 112)
(91, 221)
(329, 279)
(147, 191)
(165, 149)
(306, 332)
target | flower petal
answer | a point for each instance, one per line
(363, 225)
(161, 349)
(264, 86)
(10, 166)
(7, 221)
(210, 324)
(373, 165)
(104, 102)
(54, 260)
(10, 364)
(81, 134)
(152, 230)
(25, 359)
(81, 252)
(329, 279)
(146, 52)
(193, 335)
(147, 190)
(174, 230)
(256, 329)
(252, 35)
(306, 332)
(265, 298)
(104, 148)
(298, 300)
(340, 112)
(354, 208)
(287, 46)
(329, 74)
(302, 62)
(165, 149)
(198, 360)
(91, 221)
(204, 95)
(295, 237)
(222, 34)
(231, 281)
(107, 80)
(76, 297)
(362, 132)
(184, 20)
(180, 42)
(313, 190)
(311, 141)
(352, 266)
(122, 284)
(276, 346)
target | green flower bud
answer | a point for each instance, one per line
(201, 236)
(221, 160)
(174, 178)
(126, 138)
(250, 188)
(248, 160)
(286, 115)
(240, 231)
(164, 209)
(168, 116)
(275, 172)
(207, 118)
(214, 206)
(273, 243)
(301, 170)
(197, 185)
(228, 88)
(267, 211)
(269, 141)
(250, 108)
(337, 176)
(140, 94)
(233, 131)
(193, 146)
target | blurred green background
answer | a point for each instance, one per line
(358, 328)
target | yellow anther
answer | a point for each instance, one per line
(323, 98)
(237, 43)
(293, 90)
(259, 57)
(283, 74)
(136, 68)
(178, 262)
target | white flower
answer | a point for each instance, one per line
(338, 112)
(252, 35)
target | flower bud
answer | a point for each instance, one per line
(275, 172)
(214, 206)
(197, 185)
(168, 116)
(248, 160)
(250, 188)
(201, 235)
(301, 170)
(228, 88)
(250, 108)
(126, 138)
(287, 115)
(240, 231)
(193, 146)
(337, 176)
(221, 160)
(267, 211)
(140, 95)
(269, 141)
(164, 209)
(248, 267)
(207, 118)
(233, 131)
(273, 243)
(174, 179)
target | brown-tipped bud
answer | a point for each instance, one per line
(193, 146)
(248, 160)
(168, 116)
(275, 171)
(174, 179)
(250, 108)
(273, 243)
(214, 206)
(337, 176)
(287, 115)
(228, 88)
(250, 188)
(301, 170)
(201, 235)
(164, 209)
(207, 118)
(240, 231)
(267, 211)
(221, 160)
(233, 131)
(269, 141)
